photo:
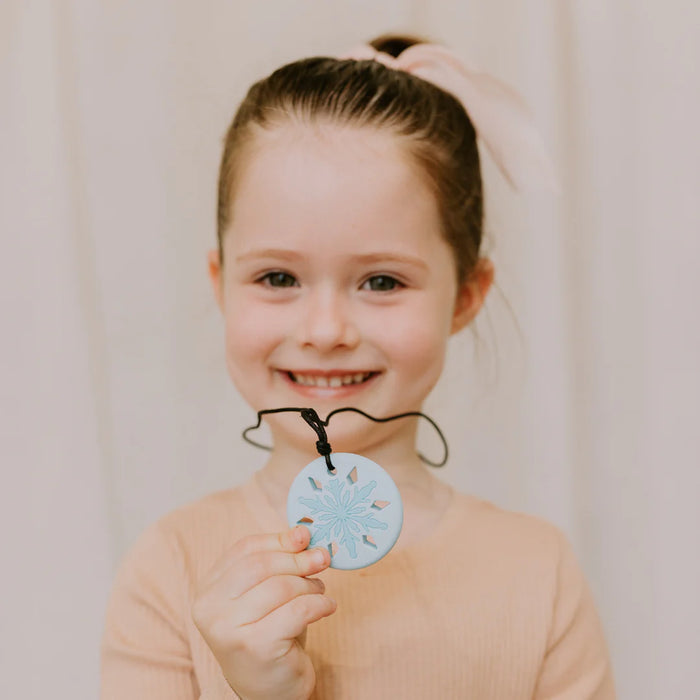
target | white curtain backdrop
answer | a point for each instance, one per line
(578, 394)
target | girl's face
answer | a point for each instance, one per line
(337, 287)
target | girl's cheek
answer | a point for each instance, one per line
(412, 331)
(418, 343)
(252, 328)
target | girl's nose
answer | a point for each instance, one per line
(327, 323)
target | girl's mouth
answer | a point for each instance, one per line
(336, 382)
(332, 380)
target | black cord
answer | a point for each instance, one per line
(323, 446)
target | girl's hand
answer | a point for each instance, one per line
(253, 609)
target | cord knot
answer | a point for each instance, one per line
(323, 447)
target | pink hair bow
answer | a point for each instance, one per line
(499, 114)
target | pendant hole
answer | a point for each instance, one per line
(352, 476)
(315, 485)
(369, 540)
(380, 505)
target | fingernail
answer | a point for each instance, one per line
(319, 556)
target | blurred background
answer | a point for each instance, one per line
(575, 399)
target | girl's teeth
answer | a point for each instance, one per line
(335, 382)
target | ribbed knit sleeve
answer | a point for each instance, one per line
(146, 650)
(576, 663)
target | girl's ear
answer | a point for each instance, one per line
(471, 296)
(215, 274)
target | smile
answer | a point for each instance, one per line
(332, 380)
(336, 384)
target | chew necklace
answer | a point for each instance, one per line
(349, 503)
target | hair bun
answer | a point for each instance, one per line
(394, 44)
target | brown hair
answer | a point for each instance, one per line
(438, 132)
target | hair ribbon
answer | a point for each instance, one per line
(500, 115)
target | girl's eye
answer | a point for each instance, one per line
(278, 279)
(381, 283)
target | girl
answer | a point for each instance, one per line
(349, 230)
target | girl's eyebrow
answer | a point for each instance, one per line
(365, 258)
(269, 253)
(370, 258)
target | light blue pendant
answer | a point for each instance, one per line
(355, 513)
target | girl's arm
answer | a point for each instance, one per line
(145, 649)
(577, 664)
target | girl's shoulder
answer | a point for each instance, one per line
(494, 521)
(231, 507)
(190, 539)
(478, 530)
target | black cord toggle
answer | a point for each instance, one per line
(323, 446)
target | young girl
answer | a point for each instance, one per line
(349, 230)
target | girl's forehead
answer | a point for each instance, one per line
(329, 151)
(303, 175)
(362, 142)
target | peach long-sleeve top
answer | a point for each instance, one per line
(492, 606)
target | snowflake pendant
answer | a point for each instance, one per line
(356, 513)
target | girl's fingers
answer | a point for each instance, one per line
(256, 568)
(291, 619)
(294, 539)
(269, 595)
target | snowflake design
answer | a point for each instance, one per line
(344, 514)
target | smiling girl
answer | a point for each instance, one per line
(349, 230)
